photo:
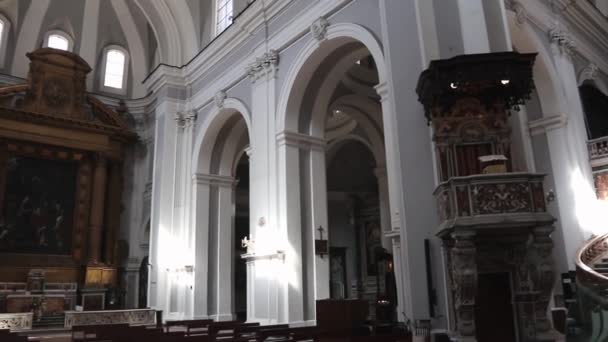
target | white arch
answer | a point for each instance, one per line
(334, 146)
(327, 87)
(158, 14)
(231, 150)
(368, 115)
(311, 56)
(210, 127)
(30, 29)
(547, 83)
(585, 76)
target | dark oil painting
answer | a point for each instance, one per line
(38, 206)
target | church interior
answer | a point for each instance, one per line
(304, 170)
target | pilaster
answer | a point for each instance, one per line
(97, 208)
(568, 148)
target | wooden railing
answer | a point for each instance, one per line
(590, 252)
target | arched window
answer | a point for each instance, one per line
(223, 15)
(58, 40)
(5, 26)
(114, 69)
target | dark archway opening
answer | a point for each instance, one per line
(241, 230)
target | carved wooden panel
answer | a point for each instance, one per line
(57, 82)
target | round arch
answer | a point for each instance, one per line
(309, 59)
(205, 139)
(359, 109)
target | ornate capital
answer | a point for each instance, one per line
(219, 99)
(318, 29)
(562, 41)
(180, 119)
(264, 65)
(516, 7)
(185, 119)
(301, 141)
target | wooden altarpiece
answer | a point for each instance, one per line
(48, 121)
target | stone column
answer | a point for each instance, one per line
(200, 206)
(543, 278)
(319, 219)
(473, 26)
(225, 255)
(396, 249)
(163, 195)
(409, 157)
(97, 208)
(464, 282)
(290, 223)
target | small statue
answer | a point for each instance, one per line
(248, 244)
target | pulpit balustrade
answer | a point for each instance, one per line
(491, 199)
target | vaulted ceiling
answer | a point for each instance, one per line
(153, 31)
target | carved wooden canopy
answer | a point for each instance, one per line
(54, 108)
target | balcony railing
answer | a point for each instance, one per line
(598, 151)
(492, 200)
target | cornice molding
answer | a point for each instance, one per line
(301, 141)
(217, 180)
(587, 27)
(250, 21)
(546, 124)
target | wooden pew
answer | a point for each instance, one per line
(218, 329)
(88, 332)
(289, 334)
(198, 327)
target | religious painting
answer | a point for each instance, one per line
(38, 206)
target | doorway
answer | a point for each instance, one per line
(494, 309)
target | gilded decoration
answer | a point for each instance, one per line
(51, 190)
